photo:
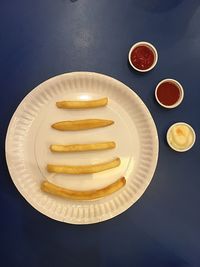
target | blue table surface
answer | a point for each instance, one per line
(41, 39)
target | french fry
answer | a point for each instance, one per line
(82, 147)
(82, 195)
(82, 104)
(81, 124)
(83, 169)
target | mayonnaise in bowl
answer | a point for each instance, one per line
(181, 136)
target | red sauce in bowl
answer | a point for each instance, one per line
(168, 93)
(142, 57)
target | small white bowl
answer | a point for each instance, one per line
(153, 49)
(181, 93)
(168, 137)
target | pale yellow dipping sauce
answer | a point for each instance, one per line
(181, 137)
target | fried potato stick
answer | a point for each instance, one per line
(83, 169)
(82, 104)
(82, 147)
(81, 124)
(82, 195)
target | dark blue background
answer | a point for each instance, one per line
(43, 38)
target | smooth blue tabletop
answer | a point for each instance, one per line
(43, 38)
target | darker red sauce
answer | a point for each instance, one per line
(168, 93)
(142, 57)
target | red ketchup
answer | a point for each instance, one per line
(142, 57)
(168, 93)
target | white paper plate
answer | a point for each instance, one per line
(29, 136)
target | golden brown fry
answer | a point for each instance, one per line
(81, 124)
(83, 195)
(82, 147)
(83, 169)
(82, 104)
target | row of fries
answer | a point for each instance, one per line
(82, 169)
